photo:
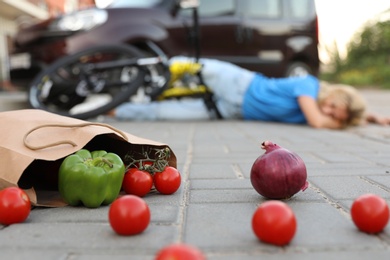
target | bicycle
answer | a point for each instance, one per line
(95, 81)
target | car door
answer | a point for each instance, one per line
(218, 25)
(280, 35)
(219, 22)
(265, 31)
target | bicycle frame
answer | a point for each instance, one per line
(171, 91)
(105, 65)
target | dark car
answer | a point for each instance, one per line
(275, 37)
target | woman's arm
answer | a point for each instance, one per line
(314, 116)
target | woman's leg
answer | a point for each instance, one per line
(189, 109)
(227, 81)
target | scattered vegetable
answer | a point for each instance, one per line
(274, 222)
(278, 173)
(129, 215)
(168, 181)
(137, 182)
(180, 252)
(15, 206)
(370, 213)
(91, 178)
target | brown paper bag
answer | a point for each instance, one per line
(34, 143)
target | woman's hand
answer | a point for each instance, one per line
(376, 119)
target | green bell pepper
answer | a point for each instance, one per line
(91, 178)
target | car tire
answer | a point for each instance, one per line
(298, 69)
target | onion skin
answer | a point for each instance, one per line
(278, 173)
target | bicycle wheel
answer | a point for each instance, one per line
(68, 88)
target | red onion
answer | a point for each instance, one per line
(278, 173)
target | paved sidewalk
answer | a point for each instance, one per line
(214, 206)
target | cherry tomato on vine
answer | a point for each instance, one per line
(15, 206)
(274, 222)
(129, 215)
(180, 252)
(137, 182)
(168, 181)
(370, 213)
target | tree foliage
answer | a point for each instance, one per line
(368, 57)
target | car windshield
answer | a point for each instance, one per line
(134, 3)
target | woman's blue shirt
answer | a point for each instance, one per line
(274, 99)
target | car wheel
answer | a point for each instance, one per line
(298, 69)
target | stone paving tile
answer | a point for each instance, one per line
(220, 184)
(111, 255)
(345, 169)
(219, 196)
(347, 187)
(321, 226)
(22, 254)
(212, 171)
(358, 254)
(220, 226)
(80, 236)
(69, 215)
(159, 214)
(340, 157)
(382, 181)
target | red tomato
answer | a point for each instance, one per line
(15, 206)
(180, 252)
(274, 222)
(129, 215)
(137, 182)
(370, 213)
(168, 181)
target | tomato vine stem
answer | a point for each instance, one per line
(149, 159)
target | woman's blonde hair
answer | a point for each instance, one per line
(356, 105)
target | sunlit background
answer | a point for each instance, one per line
(339, 20)
(102, 3)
